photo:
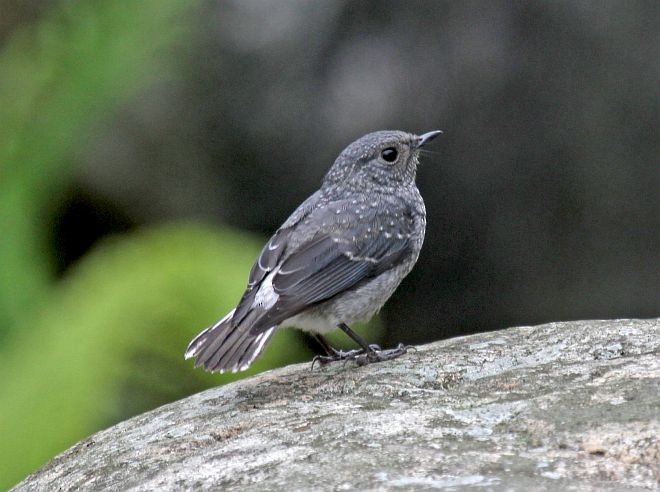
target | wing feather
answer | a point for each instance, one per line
(327, 268)
(270, 256)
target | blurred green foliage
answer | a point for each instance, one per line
(57, 79)
(106, 341)
(62, 344)
(109, 340)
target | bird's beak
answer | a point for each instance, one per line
(427, 137)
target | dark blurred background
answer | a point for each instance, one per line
(542, 194)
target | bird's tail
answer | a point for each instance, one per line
(222, 348)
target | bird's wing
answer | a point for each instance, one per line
(270, 256)
(325, 267)
(335, 260)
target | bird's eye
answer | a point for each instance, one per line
(389, 154)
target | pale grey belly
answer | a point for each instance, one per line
(357, 305)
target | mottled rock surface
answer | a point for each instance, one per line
(562, 406)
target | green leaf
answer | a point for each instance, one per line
(109, 343)
(58, 78)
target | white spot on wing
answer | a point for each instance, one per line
(266, 296)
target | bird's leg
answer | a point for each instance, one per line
(329, 349)
(332, 353)
(371, 353)
(366, 354)
(366, 348)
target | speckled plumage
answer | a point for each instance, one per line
(336, 259)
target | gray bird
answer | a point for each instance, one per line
(335, 260)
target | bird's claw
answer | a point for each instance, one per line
(362, 357)
(382, 355)
(339, 355)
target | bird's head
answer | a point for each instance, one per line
(384, 158)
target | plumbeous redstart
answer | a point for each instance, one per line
(335, 260)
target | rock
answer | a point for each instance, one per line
(562, 406)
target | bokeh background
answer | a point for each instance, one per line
(147, 149)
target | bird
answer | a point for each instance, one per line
(335, 261)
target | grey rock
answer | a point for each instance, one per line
(562, 406)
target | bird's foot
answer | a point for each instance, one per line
(381, 355)
(337, 355)
(361, 356)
